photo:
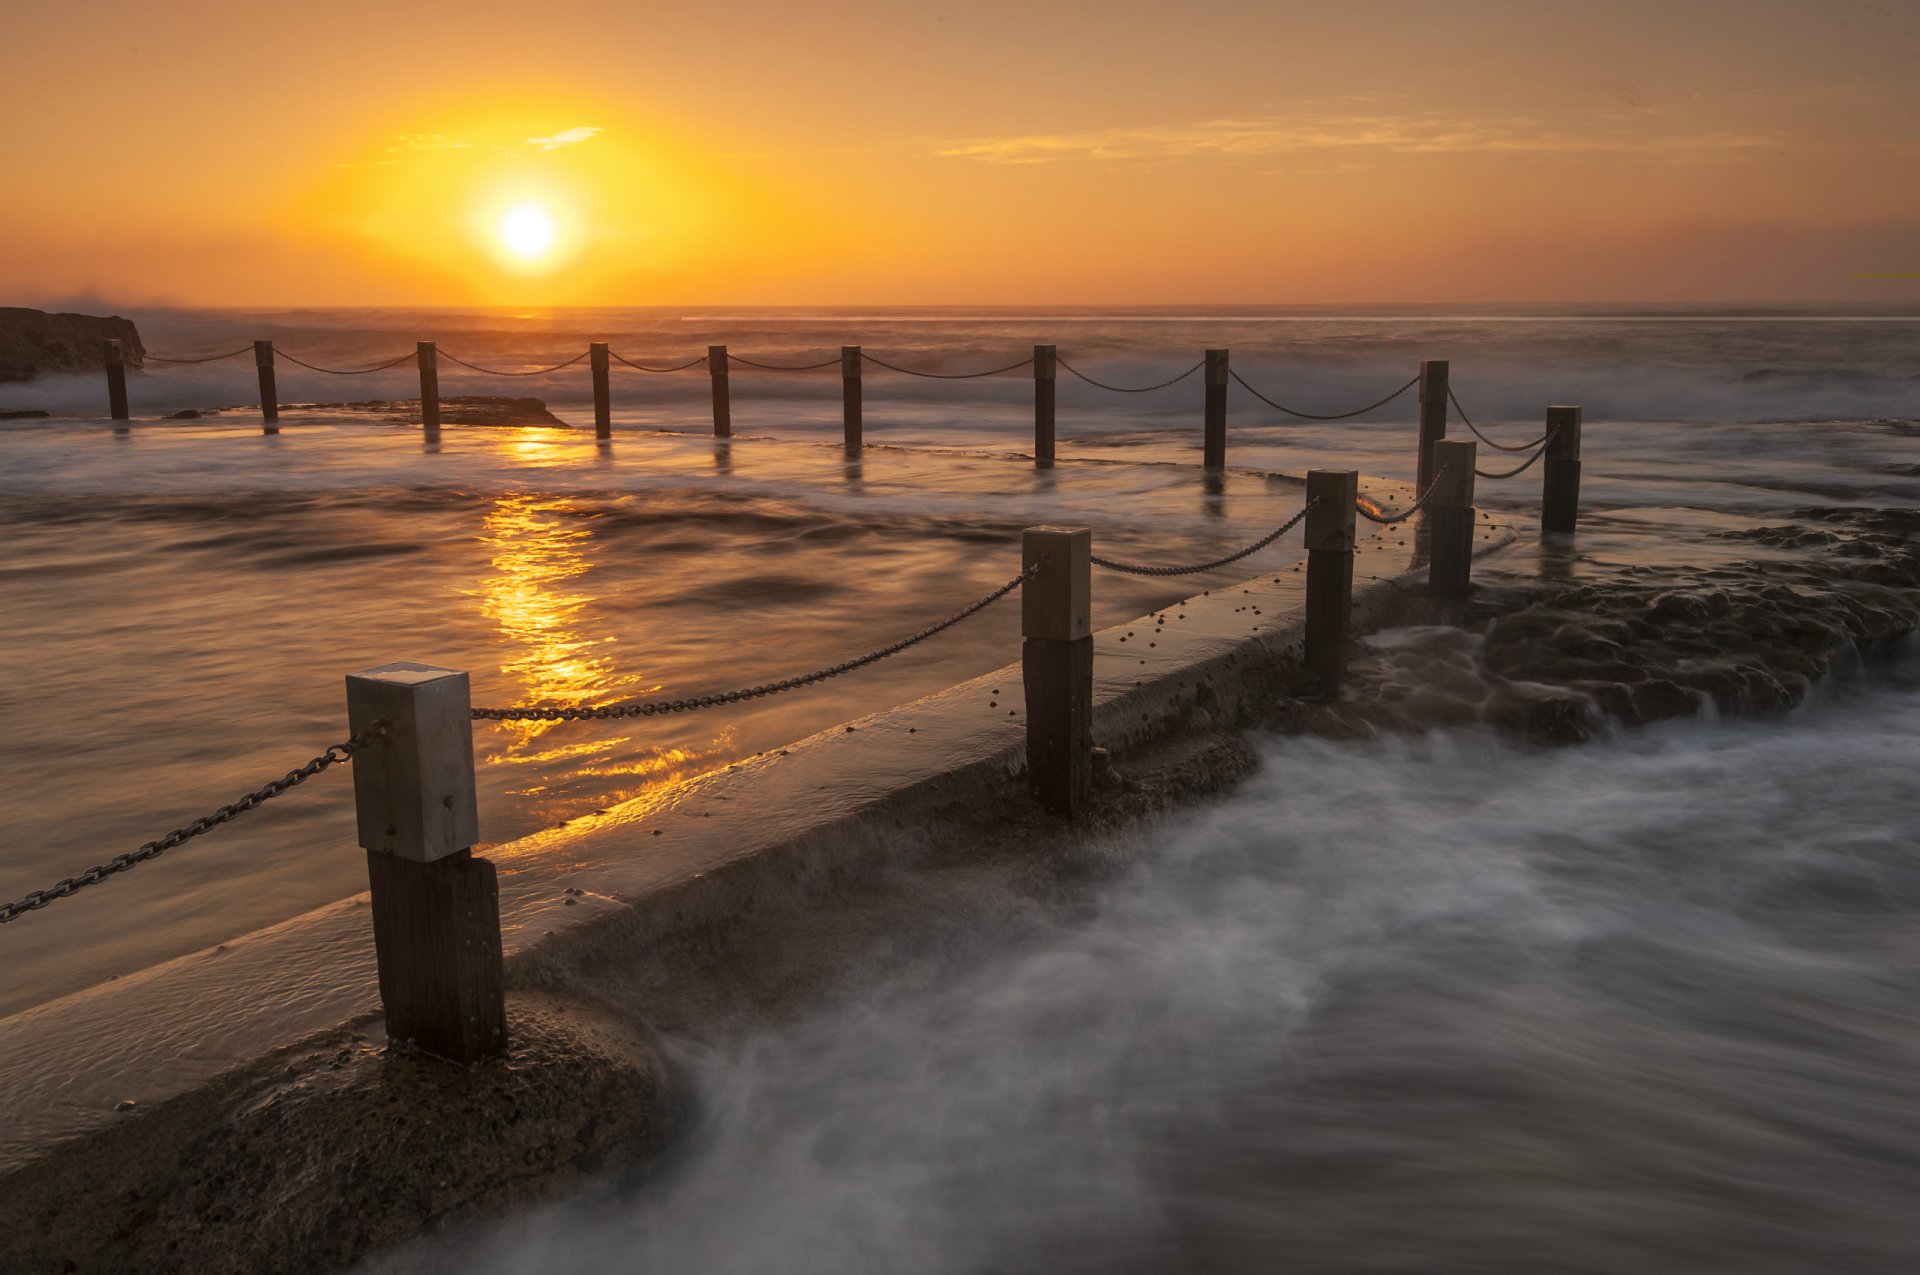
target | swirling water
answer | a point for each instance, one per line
(1433, 1004)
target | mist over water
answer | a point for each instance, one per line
(1423, 1004)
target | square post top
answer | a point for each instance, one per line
(413, 788)
(1044, 361)
(1563, 433)
(717, 359)
(1330, 518)
(850, 362)
(1056, 602)
(1453, 462)
(1216, 371)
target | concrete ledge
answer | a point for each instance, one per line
(187, 1040)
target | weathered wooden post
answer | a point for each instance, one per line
(722, 402)
(1045, 366)
(1450, 519)
(1331, 494)
(850, 397)
(436, 908)
(1214, 444)
(269, 395)
(1056, 666)
(428, 355)
(602, 362)
(115, 356)
(1433, 416)
(1560, 487)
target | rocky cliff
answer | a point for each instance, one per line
(33, 342)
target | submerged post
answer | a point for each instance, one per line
(436, 908)
(1044, 368)
(1214, 444)
(850, 396)
(1433, 416)
(1560, 486)
(1450, 519)
(1331, 494)
(601, 361)
(269, 396)
(429, 358)
(722, 403)
(114, 355)
(1056, 666)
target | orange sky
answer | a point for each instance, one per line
(768, 152)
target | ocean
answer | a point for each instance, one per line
(1643, 1003)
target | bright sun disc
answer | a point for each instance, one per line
(527, 232)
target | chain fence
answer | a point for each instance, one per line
(784, 367)
(1387, 520)
(335, 754)
(208, 358)
(1524, 465)
(1502, 447)
(355, 371)
(494, 371)
(948, 376)
(1138, 569)
(1123, 389)
(642, 367)
(658, 707)
(1317, 416)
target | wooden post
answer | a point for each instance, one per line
(436, 908)
(115, 356)
(1330, 535)
(429, 358)
(1433, 417)
(1560, 487)
(601, 361)
(1214, 444)
(722, 403)
(850, 397)
(1045, 366)
(1450, 519)
(269, 396)
(1056, 665)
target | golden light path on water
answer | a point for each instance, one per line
(541, 550)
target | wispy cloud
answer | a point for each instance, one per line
(427, 142)
(571, 137)
(1390, 134)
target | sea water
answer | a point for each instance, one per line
(179, 599)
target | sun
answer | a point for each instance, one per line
(527, 232)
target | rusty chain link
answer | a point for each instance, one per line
(947, 376)
(1122, 389)
(1136, 569)
(1387, 520)
(1524, 465)
(334, 754)
(352, 371)
(658, 707)
(641, 367)
(1503, 447)
(784, 367)
(208, 358)
(1315, 416)
(494, 371)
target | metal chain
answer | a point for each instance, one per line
(784, 367)
(1135, 569)
(1387, 520)
(948, 376)
(180, 836)
(334, 371)
(490, 371)
(1524, 465)
(1122, 389)
(1504, 447)
(211, 358)
(641, 367)
(658, 707)
(1315, 416)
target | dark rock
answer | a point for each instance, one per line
(23, 414)
(33, 342)
(186, 414)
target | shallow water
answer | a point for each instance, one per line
(1425, 1004)
(179, 599)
